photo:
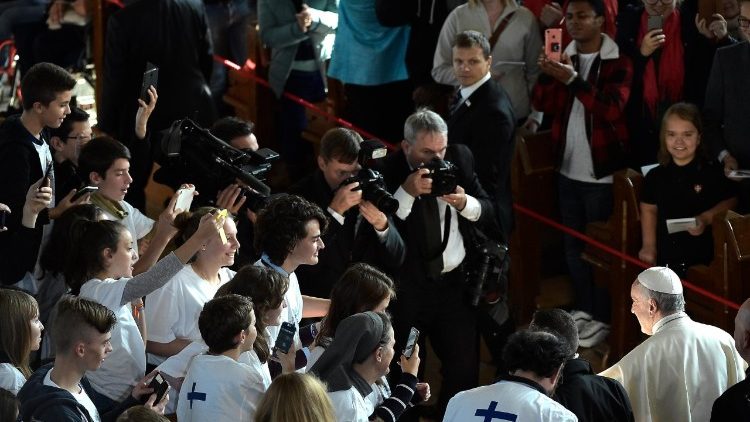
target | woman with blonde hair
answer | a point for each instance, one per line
(20, 334)
(295, 397)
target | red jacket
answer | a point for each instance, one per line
(603, 95)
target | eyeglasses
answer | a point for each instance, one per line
(744, 22)
(80, 137)
(653, 2)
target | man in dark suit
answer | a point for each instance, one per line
(439, 235)
(727, 105)
(174, 36)
(357, 230)
(482, 119)
(734, 404)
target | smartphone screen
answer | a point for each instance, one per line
(655, 22)
(411, 341)
(160, 386)
(285, 338)
(553, 44)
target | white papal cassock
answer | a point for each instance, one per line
(678, 372)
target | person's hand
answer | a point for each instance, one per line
(144, 112)
(66, 203)
(701, 223)
(562, 71)
(730, 164)
(373, 215)
(530, 126)
(423, 389)
(165, 224)
(411, 365)
(716, 29)
(158, 408)
(304, 19)
(457, 199)
(37, 198)
(551, 15)
(208, 228)
(346, 197)
(416, 184)
(653, 40)
(6, 209)
(647, 254)
(287, 360)
(141, 388)
(231, 198)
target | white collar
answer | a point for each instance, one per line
(468, 90)
(607, 51)
(666, 320)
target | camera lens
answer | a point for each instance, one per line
(381, 198)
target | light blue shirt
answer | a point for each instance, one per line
(366, 52)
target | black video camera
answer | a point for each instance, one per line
(371, 182)
(444, 175)
(488, 276)
(197, 154)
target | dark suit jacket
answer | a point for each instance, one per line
(727, 104)
(19, 169)
(171, 34)
(395, 169)
(344, 246)
(486, 124)
(734, 404)
(591, 397)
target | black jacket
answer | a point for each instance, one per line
(171, 34)
(395, 169)
(354, 241)
(41, 402)
(486, 124)
(19, 169)
(734, 404)
(591, 397)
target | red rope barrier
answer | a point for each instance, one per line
(301, 101)
(606, 248)
(247, 73)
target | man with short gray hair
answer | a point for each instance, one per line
(678, 372)
(437, 228)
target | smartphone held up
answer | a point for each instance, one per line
(553, 44)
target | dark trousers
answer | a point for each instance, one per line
(380, 109)
(582, 203)
(441, 313)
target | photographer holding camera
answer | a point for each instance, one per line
(355, 197)
(440, 206)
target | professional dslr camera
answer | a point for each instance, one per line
(371, 182)
(488, 274)
(194, 154)
(443, 174)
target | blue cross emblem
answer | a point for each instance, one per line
(193, 395)
(491, 414)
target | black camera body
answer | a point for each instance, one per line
(488, 274)
(371, 182)
(444, 175)
(196, 155)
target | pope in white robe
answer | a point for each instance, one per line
(678, 372)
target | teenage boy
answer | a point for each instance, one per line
(217, 385)
(106, 164)
(24, 149)
(59, 391)
(288, 231)
(591, 85)
(66, 142)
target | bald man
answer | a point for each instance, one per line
(734, 404)
(684, 366)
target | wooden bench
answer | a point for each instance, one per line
(622, 232)
(725, 274)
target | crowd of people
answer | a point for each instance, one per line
(317, 302)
